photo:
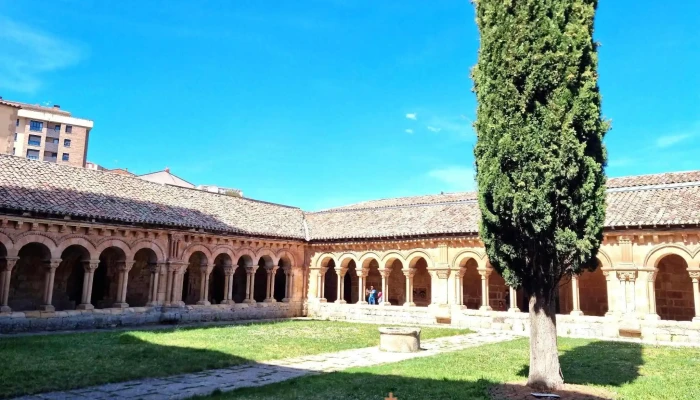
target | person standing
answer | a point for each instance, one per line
(372, 295)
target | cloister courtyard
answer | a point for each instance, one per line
(85, 250)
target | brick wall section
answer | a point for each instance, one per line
(397, 285)
(674, 290)
(471, 286)
(78, 146)
(8, 117)
(498, 292)
(593, 291)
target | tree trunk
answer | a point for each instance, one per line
(545, 372)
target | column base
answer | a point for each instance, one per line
(362, 303)
(5, 309)
(409, 304)
(227, 302)
(286, 300)
(176, 304)
(46, 307)
(249, 301)
(204, 303)
(270, 301)
(152, 304)
(85, 307)
(485, 308)
(514, 310)
(340, 302)
(385, 304)
(322, 300)
(576, 313)
(655, 317)
(696, 319)
(120, 305)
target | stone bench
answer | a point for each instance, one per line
(399, 340)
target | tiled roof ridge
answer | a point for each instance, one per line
(421, 204)
(95, 171)
(658, 174)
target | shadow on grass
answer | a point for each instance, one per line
(600, 363)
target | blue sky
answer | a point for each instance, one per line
(320, 103)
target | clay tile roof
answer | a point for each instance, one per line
(635, 201)
(61, 190)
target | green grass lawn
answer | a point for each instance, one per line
(630, 371)
(34, 364)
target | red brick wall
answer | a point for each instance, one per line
(471, 286)
(674, 290)
(593, 293)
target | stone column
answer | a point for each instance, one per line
(459, 286)
(270, 288)
(287, 284)
(178, 272)
(361, 276)
(627, 279)
(385, 286)
(695, 276)
(169, 285)
(513, 300)
(5, 276)
(610, 292)
(204, 285)
(48, 285)
(575, 299)
(409, 274)
(322, 284)
(154, 270)
(86, 299)
(229, 270)
(651, 296)
(250, 283)
(340, 272)
(485, 273)
(123, 283)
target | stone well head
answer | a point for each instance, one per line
(399, 339)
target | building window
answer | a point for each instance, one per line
(13, 151)
(57, 128)
(65, 157)
(15, 136)
(69, 129)
(33, 154)
(52, 140)
(17, 123)
(34, 140)
(36, 126)
(66, 142)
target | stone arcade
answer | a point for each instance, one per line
(82, 249)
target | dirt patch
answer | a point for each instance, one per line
(518, 391)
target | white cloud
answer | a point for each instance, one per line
(456, 178)
(434, 129)
(412, 116)
(670, 140)
(28, 53)
(457, 126)
(409, 131)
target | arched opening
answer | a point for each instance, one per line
(350, 283)
(523, 302)
(499, 292)
(565, 298)
(240, 278)
(192, 281)
(217, 279)
(674, 289)
(593, 292)
(281, 279)
(28, 275)
(397, 283)
(69, 278)
(330, 288)
(106, 280)
(471, 284)
(260, 289)
(374, 278)
(422, 284)
(140, 277)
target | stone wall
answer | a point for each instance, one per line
(374, 314)
(36, 321)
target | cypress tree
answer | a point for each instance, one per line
(539, 154)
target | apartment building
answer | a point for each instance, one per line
(43, 133)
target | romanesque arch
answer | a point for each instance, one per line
(471, 280)
(70, 275)
(393, 266)
(673, 288)
(244, 260)
(151, 245)
(139, 279)
(217, 277)
(195, 275)
(113, 255)
(28, 279)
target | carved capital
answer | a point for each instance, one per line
(485, 272)
(230, 269)
(54, 263)
(91, 265)
(462, 271)
(362, 273)
(250, 269)
(154, 268)
(385, 272)
(409, 272)
(627, 275)
(126, 266)
(442, 273)
(10, 263)
(694, 274)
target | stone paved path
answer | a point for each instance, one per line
(265, 373)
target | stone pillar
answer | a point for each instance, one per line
(695, 276)
(485, 273)
(85, 301)
(48, 285)
(361, 276)
(169, 285)
(340, 272)
(204, 285)
(513, 307)
(287, 284)
(610, 292)
(627, 279)
(153, 285)
(459, 287)
(123, 283)
(229, 270)
(250, 283)
(409, 274)
(5, 275)
(575, 299)
(651, 296)
(385, 286)
(270, 288)
(177, 273)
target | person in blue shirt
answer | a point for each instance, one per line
(372, 295)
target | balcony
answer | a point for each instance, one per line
(50, 159)
(36, 143)
(50, 133)
(50, 146)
